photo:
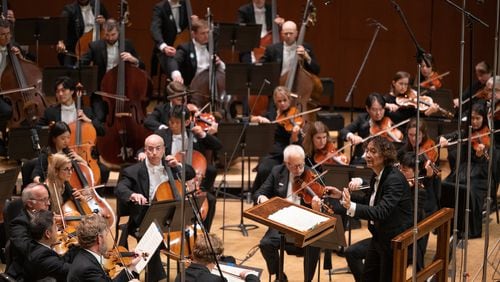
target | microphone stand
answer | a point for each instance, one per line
(470, 20)
(420, 58)
(361, 68)
(182, 266)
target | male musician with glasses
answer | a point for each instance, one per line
(35, 198)
(279, 184)
(137, 188)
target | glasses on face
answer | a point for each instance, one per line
(42, 200)
(152, 149)
(67, 169)
(295, 166)
(5, 34)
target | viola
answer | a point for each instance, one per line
(330, 155)
(306, 187)
(289, 119)
(118, 258)
(66, 239)
(384, 126)
(481, 136)
(434, 79)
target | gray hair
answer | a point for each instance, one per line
(293, 150)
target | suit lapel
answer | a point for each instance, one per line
(279, 56)
(192, 56)
(283, 182)
(144, 179)
(386, 172)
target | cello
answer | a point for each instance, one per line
(84, 138)
(125, 119)
(26, 105)
(298, 80)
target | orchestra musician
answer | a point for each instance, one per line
(387, 206)
(280, 184)
(199, 270)
(35, 198)
(94, 238)
(282, 137)
(172, 138)
(81, 19)
(257, 12)
(375, 114)
(318, 146)
(192, 58)
(483, 72)
(137, 187)
(169, 19)
(479, 167)
(428, 73)
(43, 262)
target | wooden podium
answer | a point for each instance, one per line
(261, 213)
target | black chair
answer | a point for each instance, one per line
(122, 209)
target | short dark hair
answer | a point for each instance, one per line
(4, 23)
(197, 24)
(56, 129)
(41, 222)
(375, 97)
(67, 83)
(178, 110)
(202, 251)
(386, 149)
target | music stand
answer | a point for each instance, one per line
(42, 30)
(444, 98)
(241, 37)
(19, 148)
(86, 75)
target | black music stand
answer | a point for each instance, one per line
(42, 30)
(86, 75)
(20, 148)
(241, 37)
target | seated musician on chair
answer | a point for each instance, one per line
(138, 184)
(43, 262)
(94, 238)
(279, 184)
(172, 137)
(204, 261)
(35, 198)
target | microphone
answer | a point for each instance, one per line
(327, 2)
(267, 81)
(35, 139)
(376, 23)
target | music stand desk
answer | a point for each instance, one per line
(165, 213)
(260, 213)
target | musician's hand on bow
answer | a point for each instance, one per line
(391, 107)
(434, 108)
(83, 117)
(333, 192)
(171, 161)
(316, 203)
(138, 199)
(169, 51)
(100, 19)
(428, 169)
(443, 142)
(60, 47)
(346, 199)
(355, 139)
(355, 183)
(259, 119)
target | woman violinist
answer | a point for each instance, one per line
(287, 132)
(483, 72)
(369, 123)
(319, 146)
(479, 166)
(429, 78)
(432, 180)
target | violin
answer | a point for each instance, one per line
(306, 187)
(481, 136)
(330, 155)
(204, 120)
(434, 79)
(290, 118)
(384, 125)
(66, 239)
(409, 99)
(118, 258)
(430, 155)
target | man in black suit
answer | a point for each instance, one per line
(43, 261)
(279, 184)
(137, 187)
(387, 206)
(93, 237)
(35, 198)
(169, 19)
(81, 19)
(202, 141)
(284, 52)
(204, 259)
(192, 58)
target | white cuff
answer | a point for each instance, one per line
(352, 210)
(176, 73)
(162, 46)
(162, 126)
(348, 136)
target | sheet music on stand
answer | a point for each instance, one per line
(149, 243)
(297, 218)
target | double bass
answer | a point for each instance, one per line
(124, 123)
(185, 35)
(82, 46)
(298, 79)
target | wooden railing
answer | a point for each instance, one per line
(441, 222)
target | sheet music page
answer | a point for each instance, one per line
(297, 218)
(148, 244)
(232, 273)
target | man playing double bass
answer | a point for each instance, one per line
(137, 187)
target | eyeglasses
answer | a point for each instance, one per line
(67, 169)
(5, 34)
(296, 166)
(152, 149)
(43, 200)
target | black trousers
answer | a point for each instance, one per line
(354, 255)
(378, 262)
(207, 185)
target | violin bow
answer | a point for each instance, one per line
(303, 186)
(455, 142)
(434, 78)
(296, 115)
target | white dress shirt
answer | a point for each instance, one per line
(68, 113)
(3, 58)
(290, 196)
(157, 175)
(289, 52)
(113, 55)
(175, 8)
(352, 209)
(260, 18)
(88, 18)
